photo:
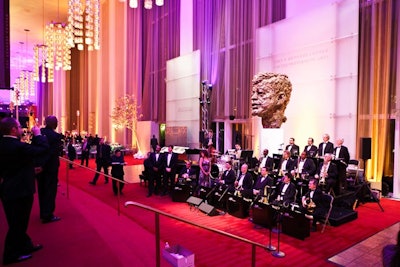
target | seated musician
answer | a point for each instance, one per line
(228, 177)
(327, 173)
(262, 186)
(244, 182)
(313, 204)
(188, 174)
(305, 166)
(266, 161)
(287, 164)
(286, 192)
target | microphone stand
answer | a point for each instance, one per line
(278, 253)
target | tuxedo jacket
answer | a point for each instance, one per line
(17, 161)
(191, 172)
(332, 170)
(269, 163)
(103, 155)
(290, 165)
(328, 149)
(51, 160)
(312, 151)
(172, 163)
(229, 178)
(308, 167)
(343, 153)
(117, 164)
(247, 186)
(294, 151)
(289, 195)
(157, 163)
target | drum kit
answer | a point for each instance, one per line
(219, 167)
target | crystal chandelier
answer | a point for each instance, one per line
(84, 23)
(148, 4)
(40, 58)
(24, 86)
(58, 46)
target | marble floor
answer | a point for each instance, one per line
(369, 251)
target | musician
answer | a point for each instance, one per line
(266, 161)
(287, 164)
(342, 155)
(286, 192)
(244, 182)
(188, 174)
(310, 148)
(292, 147)
(263, 181)
(238, 151)
(327, 173)
(313, 204)
(305, 166)
(326, 146)
(228, 177)
(209, 140)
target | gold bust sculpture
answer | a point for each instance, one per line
(269, 98)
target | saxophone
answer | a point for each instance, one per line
(265, 196)
(238, 192)
(309, 205)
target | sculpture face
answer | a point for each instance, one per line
(270, 96)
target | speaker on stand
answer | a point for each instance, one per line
(365, 146)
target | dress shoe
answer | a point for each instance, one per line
(18, 259)
(92, 183)
(52, 219)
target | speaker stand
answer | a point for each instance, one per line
(370, 191)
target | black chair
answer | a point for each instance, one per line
(352, 172)
(327, 199)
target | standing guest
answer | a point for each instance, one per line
(157, 167)
(310, 148)
(117, 171)
(85, 151)
(47, 180)
(153, 143)
(326, 147)
(17, 174)
(292, 147)
(103, 160)
(205, 168)
(71, 152)
(170, 161)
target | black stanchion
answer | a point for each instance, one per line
(270, 247)
(278, 253)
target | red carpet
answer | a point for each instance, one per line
(91, 234)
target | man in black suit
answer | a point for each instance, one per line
(305, 166)
(228, 178)
(292, 147)
(157, 168)
(244, 182)
(103, 161)
(170, 161)
(342, 158)
(266, 161)
(286, 192)
(287, 164)
(153, 143)
(188, 174)
(327, 173)
(310, 148)
(325, 147)
(85, 150)
(209, 140)
(263, 181)
(47, 180)
(17, 172)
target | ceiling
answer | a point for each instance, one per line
(31, 15)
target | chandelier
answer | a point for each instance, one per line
(40, 58)
(84, 23)
(24, 86)
(148, 4)
(58, 46)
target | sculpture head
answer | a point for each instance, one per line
(270, 96)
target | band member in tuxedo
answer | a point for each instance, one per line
(209, 140)
(228, 177)
(326, 146)
(327, 173)
(263, 180)
(286, 192)
(287, 164)
(157, 165)
(313, 203)
(305, 166)
(170, 161)
(310, 148)
(188, 174)
(292, 147)
(244, 182)
(343, 157)
(238, 151)
(266, 161)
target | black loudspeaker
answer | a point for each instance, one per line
(195, 201)
(208, 209)
(181, 193)
(365, 146)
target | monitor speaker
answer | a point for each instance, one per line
(208, 209)
(365, 147)
(194, 201)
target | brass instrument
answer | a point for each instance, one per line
(264, 199)
(238, 192)
(309, 204)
